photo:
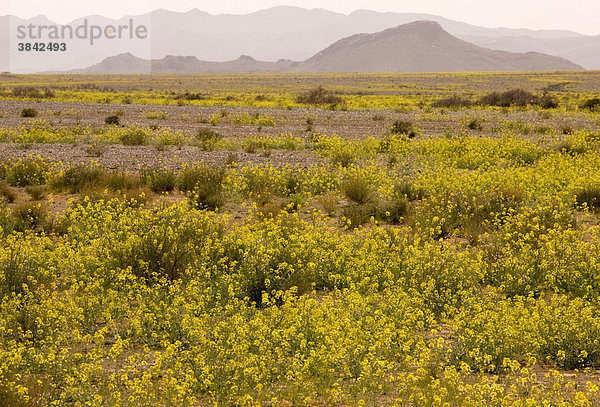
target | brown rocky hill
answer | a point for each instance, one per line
(422, 46)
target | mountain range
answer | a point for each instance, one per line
(279, 33)
(422, 46)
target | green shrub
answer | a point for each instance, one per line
(31, 92)
(27, 171)
(409, 190)
(29, 112)
(161, 180)
(591, 104)
(163, 243)
(516, 97)
(359, 214)
(589, 195)
(319, 96)
(191, 96)
(36, 192)
(357, 189)
(204, 185)
(95, 149)
(6, 194)
(394, 210)
(122, 181)
(113, 120)
(453, 101)
(79, 177)
(134, 137)
(329, 202)
(208, 138)
(259, 187)
(475, 124)
(30, 216)
(405, 128)
(343, 158)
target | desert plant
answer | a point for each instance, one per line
(95, 149)
(401, 127)
(259, 187)
(134, 137)
(572, 146)
(27, 171)
(410, 190)
(207, 138)
(160, 180)
(112, 120)
(122, 181)
(589, 195)
(204, 185)
(156, 116)
(231, 159)
(36, 192)
(30, 216)
(319, 96)
(475, 124)
(567, 129)
(6, 194)
(358, 189)
(359, 214)
(513, 97)
(394, 210)
(329, 202)
(548, 102)
(591, 104)
(29, 112)
(76, 178)
(453, 101)
(31, 92)
(343, 158)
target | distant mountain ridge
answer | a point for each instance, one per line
(422, 46)
(283, 32)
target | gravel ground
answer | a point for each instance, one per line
(346, 124)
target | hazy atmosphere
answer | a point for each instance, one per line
(281, 203)
(582, 15)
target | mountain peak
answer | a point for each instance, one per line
(422, 46)
(246, 58)
(426, 28)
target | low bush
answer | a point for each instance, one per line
(134, 137)
(589, 196)
(343, 158)
(113, 120)
(404, 128)
(27, 171)
(29, 112)
(591, 104)
(319, 96)
(207, 138)
(357, 189)
(79, 177)
(519, 97)
(31, 92)
(204, 185)
(30, 216)
(453, 101)
(36, 192)
(6, 194)
(160, 180)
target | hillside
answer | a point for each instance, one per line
(422, 46)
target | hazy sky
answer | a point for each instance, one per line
(579, 15)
